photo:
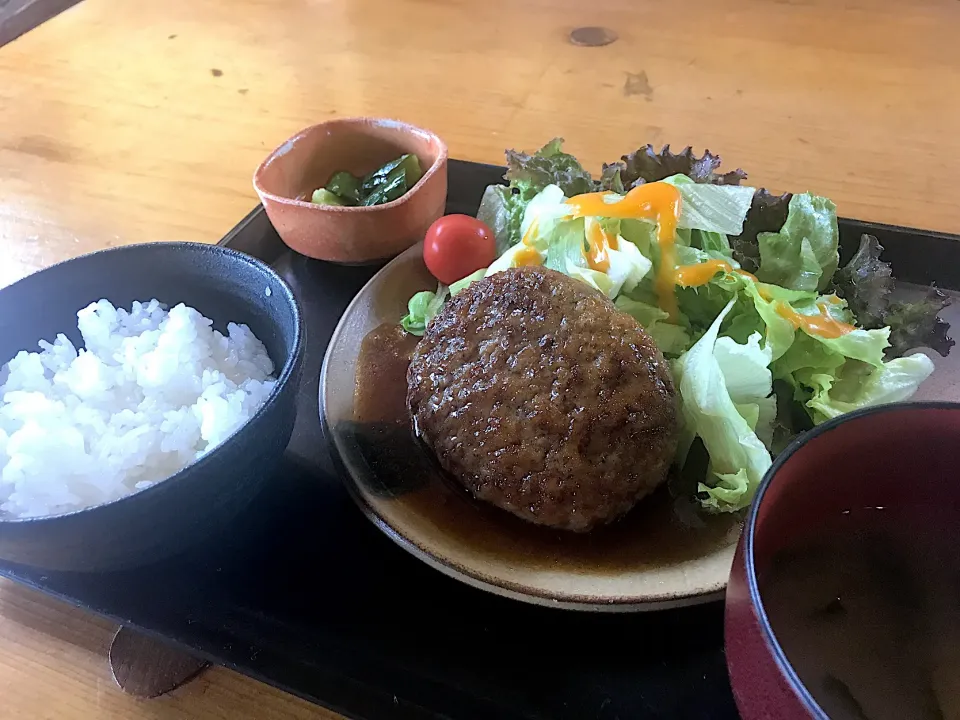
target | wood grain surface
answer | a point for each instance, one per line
(123, 122)
(53, 666)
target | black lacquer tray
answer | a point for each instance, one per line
(306, 594)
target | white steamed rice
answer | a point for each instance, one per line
(151, 392)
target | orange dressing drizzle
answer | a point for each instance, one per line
(528, 254)
(531, 232)
(598, 243)
(821, 324)
(658, 202)
(701, 273)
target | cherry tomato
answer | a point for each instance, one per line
(456, 246)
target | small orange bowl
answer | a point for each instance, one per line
(287, 178)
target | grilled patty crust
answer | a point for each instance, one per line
(540, 397)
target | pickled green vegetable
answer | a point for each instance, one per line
(325, 197)
(411, 168)
(392, 187)
(383, 185)
(345, 185)
(408, 164)
(379, 176)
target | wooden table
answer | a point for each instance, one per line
(126, 122)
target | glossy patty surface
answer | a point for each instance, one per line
(542, 398)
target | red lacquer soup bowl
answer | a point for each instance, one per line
(887, 458)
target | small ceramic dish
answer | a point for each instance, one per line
(892, 458)
(305, 162)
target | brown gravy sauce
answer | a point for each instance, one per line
(652, 534)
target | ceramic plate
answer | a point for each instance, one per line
(656, 557)
(648, 560)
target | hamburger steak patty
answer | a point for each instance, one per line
(540, 397)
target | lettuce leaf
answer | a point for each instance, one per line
(867, 284)
(543, 213)
(501, 210)
(803, 254)
(705, 377)
(712, 208)
(541, 216)
(502, 207)
(701, 305)
(867, 346)
(728, 492)
(778, 333)
(831, 376)
(561, 242)
(646, 165)
(754, 310)
(565, 248)
(610, 179)
(672, 339)
(745, 368)
(628, 266)
(805, 357)
(711, 242)
(549, 165)
(917, 324)
(767, 213)
(467, 281)
(422, 308)
(858, 385)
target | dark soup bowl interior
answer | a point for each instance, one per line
(844, 598)
(190, 506)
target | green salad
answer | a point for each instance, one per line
(743, 291)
